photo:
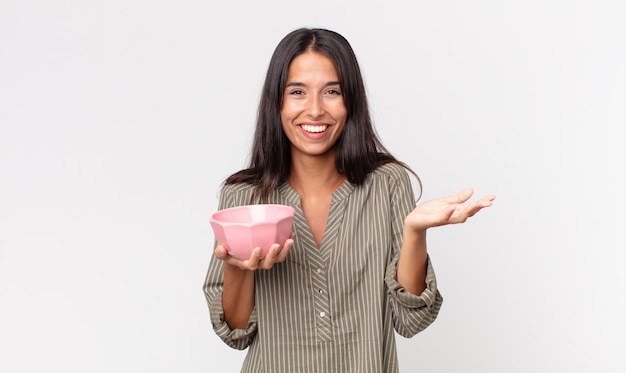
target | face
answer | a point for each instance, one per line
(313, 113)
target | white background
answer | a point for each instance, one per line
(119, 120)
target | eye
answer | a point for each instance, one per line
(296, 92)
(333, 92)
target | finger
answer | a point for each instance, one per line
(461, 196)
(450, 212)
(252, 262)
(485, 202)
(282, 254)
(284, 250)
(270, 257)
(472, 208)
(459, 215)
(488, 200)
(221, 252)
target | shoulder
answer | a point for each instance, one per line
(394, 178)
(391, 171)
(237, 194)
(238, 188)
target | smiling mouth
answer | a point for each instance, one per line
(314, 129)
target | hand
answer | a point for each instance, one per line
(275, 254)
(445, 210)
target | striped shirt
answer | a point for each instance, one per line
(332, 308)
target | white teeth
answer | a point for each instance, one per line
(314, 129)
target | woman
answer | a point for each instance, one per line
(356, 268)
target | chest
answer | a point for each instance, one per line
(316, 211)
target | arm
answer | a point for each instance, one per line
(229, 284)
(441, 211)
(229, 291)
(414, 296)
(238, 338)
(238, 293)
(412, 262)
(237, 296)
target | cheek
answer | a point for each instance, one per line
(341, 115)
(287, 112)
(283, 114)
(339, 110)
(284, 120)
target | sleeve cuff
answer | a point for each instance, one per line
(410, 300)
(236, 338)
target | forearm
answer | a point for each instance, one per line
(238, 296)
(413, 261)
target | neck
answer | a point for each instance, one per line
(315, 176)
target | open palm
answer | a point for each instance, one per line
(446, 210)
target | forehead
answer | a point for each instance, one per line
(311, 64)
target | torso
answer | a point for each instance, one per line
(315, 211)
(315, 202)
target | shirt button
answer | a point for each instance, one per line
(319, 270)
(320, 291)
(322, 314)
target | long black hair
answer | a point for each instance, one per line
(359, 150)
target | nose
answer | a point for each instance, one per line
(315, 108)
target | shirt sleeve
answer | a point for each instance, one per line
(213, 290)
(411, 313)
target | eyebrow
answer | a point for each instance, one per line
(300, 84)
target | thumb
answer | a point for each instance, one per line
(221, 252)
